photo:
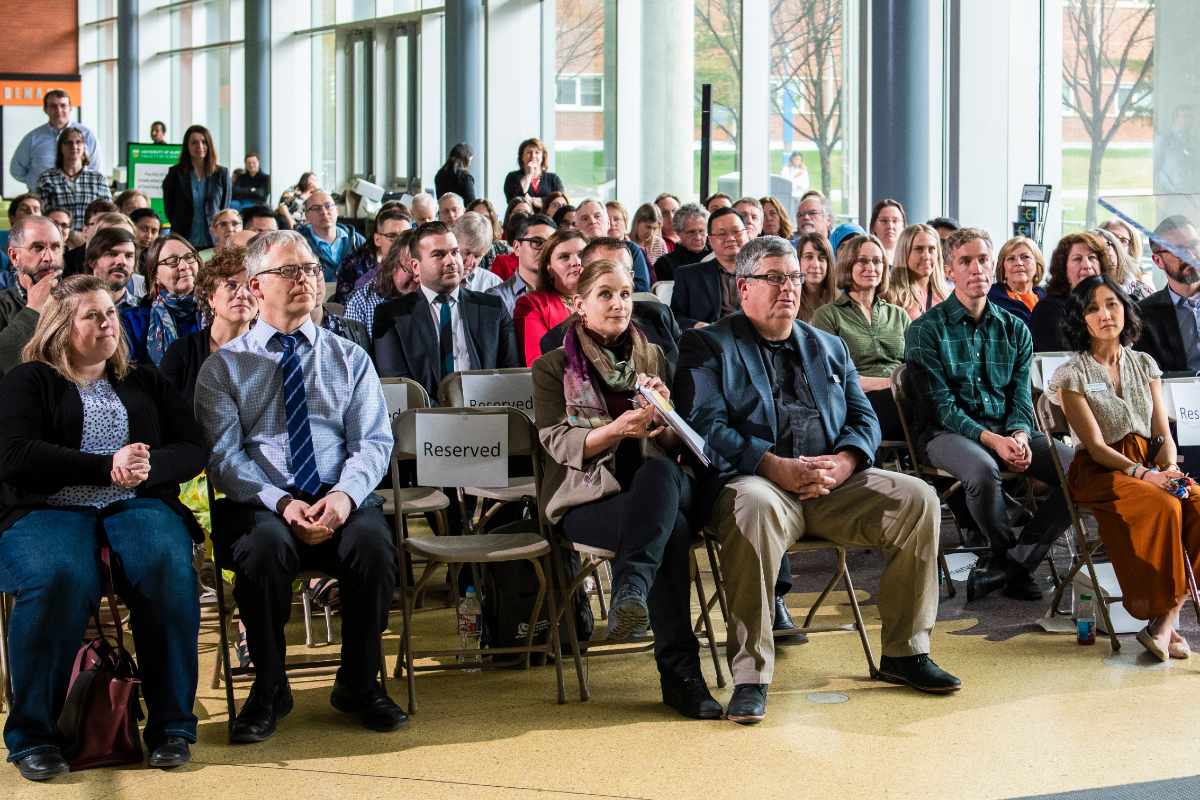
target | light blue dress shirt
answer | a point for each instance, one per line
(35, 153)
(239, 403)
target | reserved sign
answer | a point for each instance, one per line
(1044, 366)
(1186, 398)
(396, 397)
(509, 390)
(462, 450)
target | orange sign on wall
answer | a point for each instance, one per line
(30, 91)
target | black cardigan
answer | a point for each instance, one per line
(461, 182)
(41, 428)
(181, 363)
(549, 184)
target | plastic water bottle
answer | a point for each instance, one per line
(1085, 620)
(470, 623)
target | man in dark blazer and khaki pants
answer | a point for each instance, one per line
(792, 437)
(408, 330)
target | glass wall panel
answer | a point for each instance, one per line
(584, 95)
(718, 48)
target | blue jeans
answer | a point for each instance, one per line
(48, 561)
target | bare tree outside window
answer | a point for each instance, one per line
(1108, 78)
(579, 36)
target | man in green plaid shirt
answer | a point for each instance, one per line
(969, 366)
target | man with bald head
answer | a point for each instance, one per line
(423, 208)
(35, 247)
(591, 218)
(329, 240)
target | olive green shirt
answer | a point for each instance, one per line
(875, 345)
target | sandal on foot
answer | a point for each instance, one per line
(1147, 640)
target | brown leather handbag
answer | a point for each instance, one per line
(99, 719)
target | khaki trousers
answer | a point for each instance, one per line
(757, 521)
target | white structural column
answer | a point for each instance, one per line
(754, 139)
(513, 111)
(667, 120)
(1176, 101)
(631, 127)
(291, 115)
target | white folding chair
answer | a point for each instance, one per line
(663, 290)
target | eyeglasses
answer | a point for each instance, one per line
(294, 272)
(174, 261)
(733, 234)
(863, 262)
(391, 237)
(40, 249)
(321, 207)
(778, 279)
(536, 242)
(810, 214)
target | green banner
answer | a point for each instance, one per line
(147, 167)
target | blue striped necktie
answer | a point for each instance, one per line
(295, 407)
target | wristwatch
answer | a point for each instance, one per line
(282, 505)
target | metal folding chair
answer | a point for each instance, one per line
(480, 549)
(5, 668)
(663, 290)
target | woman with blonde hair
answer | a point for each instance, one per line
(1126, 270)
(92, 451)
(646, 231)
(1020, 268)
(776, 221)
(820, 277)
(917, 278)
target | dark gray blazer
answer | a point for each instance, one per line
(697, 294)
(723, 390)
(177, 197)
(1160, 335)
(406, 342)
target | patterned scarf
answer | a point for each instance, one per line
(585, 403)
(163, 329)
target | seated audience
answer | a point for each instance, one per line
(393, 279)
(887, 221)
(1125, 270)
(775, 218)
(253, 186)
(553, 202)
(532, 181)
(647, 234)
(92, 452)
(1126, 483)
(707, 291)
(1171, 316)
(651, 317)
(131, 200)
(23, 205)
(751, 212)
(292, 201)
(298, 427)
(1020, 268)
(944, 227)
(474, 234)
(814, 215)
(62, 218)
(226, 223)
(1077, 256)
(443, 327)
(718, 200)
(111, 256)
(668, 204)
(424, 208)
(71, 183)
(690, 227)
(515, 208)
(146, 227)
(259, 219)
(328, 317)
(592, 221)
(974, 417)
(481, 205)
(226, 302)
(329, 240)
(618, 220)
(1131, 243)
(842, 234)
(450, 209)
(169, 308)
(872, 328)
(918, 280)
(100, 213)
(565, 217)
(539, 311)
(633, 497)
(534, 231)
(820, 278)
(36, 249)
(455, 176)
(800, 464)
(389, 224)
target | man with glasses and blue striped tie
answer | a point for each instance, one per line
(299, 432)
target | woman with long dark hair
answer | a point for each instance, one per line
(196, 188)
(454, 176)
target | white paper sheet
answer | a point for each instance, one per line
(462, 450)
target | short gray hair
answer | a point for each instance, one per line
(262, 244)
(750, 201)
(451, 196)
(825, 204)
(423, 198)
(579, 206)
(24, 226)
(686, 212)
(473, 231)
(757, 249)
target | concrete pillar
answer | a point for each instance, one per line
(900, 104)
(1176, 110)
(258, 81)
(127, 75)
(668, 91)
(464, 79)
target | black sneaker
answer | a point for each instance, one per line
(919, 672)
(690, 697)
(748, 705)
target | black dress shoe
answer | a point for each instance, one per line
(690, 697)
(43, 765)
(1021, 585)
(783, 623)
(919, 672)
(985, 579)
(171, 752)
(376, 710)
(748, 705)
(258, 717)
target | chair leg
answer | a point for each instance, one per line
(600, 589)
(706, 618)
(945, 570)
(544, 573)
(718, 581)
(1191, 579)
(1114, 642)
(306, 604)
(223, 619)
(328, 626)
(5, 668)
(567, 611)
(858, 619)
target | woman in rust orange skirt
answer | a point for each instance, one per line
(1112, 398)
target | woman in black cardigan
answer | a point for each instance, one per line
(196, 188)
(533, 179)
(92, 451)
(454, 177)
(224, 295)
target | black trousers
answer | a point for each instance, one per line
(646, 526)
(266, 558)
